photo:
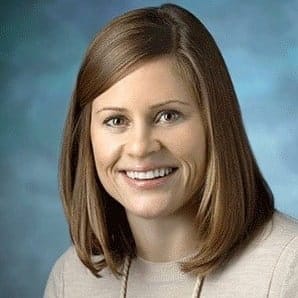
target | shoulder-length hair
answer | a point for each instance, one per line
(235, 199)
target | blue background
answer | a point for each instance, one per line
(42, 45)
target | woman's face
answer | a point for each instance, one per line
(149, 135)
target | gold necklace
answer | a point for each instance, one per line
(127, 262)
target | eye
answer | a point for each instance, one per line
(114, 124)
(170, 112)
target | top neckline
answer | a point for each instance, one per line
(156, 272)
(182, 259)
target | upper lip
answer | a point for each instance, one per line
(148, 167)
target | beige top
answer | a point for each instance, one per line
(267, 267)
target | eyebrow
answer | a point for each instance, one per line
(151, 107)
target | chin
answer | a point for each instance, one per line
(149, 211)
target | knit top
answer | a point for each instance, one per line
(267, 267)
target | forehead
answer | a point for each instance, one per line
(149, 83)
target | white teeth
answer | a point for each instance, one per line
(149, 174)
(162, 172)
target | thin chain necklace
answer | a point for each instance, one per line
(196, 292)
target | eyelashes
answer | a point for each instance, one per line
(110, 119)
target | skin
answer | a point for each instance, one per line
(162, 217)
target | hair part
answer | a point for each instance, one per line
(235, 200)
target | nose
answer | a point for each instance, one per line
(142, 141)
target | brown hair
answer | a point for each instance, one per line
(235, 199)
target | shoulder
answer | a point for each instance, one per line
(284, 236)
(69, 259)
(56, 281)
(268, 265)
(280, 234)
(285, 224)
(69, 277)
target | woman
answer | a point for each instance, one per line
(159, 206)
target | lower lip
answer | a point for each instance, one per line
(148, 184)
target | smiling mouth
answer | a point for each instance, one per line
(151, 183)
(150, 179)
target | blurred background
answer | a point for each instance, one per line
(42, 44)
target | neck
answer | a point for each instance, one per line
(164, 239)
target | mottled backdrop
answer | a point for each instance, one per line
(42, 44)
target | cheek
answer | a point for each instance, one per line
(103, 144)
(102, 149)
(190, 147)
(103, 157)
(189, 142)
